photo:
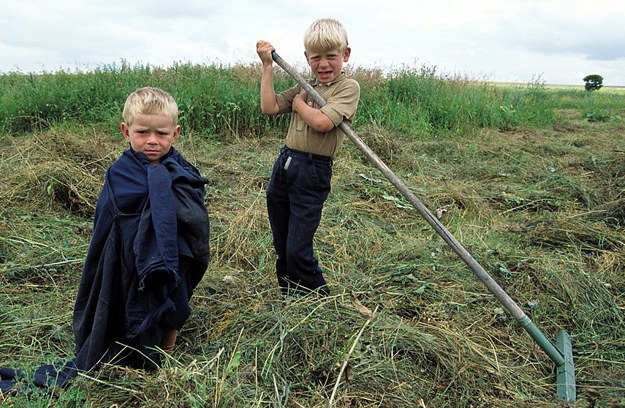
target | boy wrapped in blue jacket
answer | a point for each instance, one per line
(150, 245)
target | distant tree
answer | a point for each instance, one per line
(593, 82)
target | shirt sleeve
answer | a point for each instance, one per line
(343, 103)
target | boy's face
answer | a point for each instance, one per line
(152, 135)
(327, 65)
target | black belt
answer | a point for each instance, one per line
(317, 157)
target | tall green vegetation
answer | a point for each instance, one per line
(212, 100)
(420, 101)
(216, 100)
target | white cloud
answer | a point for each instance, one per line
(515, 40)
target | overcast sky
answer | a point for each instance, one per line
(551, 41)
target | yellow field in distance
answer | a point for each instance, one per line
(605, 88)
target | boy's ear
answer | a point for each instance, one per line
(176, 133)
(125, 131)
(347, 53)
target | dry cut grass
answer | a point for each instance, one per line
(407, 323)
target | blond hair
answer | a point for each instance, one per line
(150, 101)
(325, 34)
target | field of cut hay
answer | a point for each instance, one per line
(407, 323)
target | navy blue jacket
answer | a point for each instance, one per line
(149, 250)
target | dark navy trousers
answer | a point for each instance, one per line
(299, 185)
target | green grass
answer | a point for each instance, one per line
(531, 188)
(219, 102)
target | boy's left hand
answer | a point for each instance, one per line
(312, 116)
(302, 95)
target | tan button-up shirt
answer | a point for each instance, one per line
(341, 96)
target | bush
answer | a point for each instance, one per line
(593, 82)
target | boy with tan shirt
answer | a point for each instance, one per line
(300, 182)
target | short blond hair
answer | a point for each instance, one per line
(325, 34)
(150, 101)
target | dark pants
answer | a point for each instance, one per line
(299, 185)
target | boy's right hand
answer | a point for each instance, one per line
(264, 50)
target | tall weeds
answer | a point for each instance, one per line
(221, 101)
